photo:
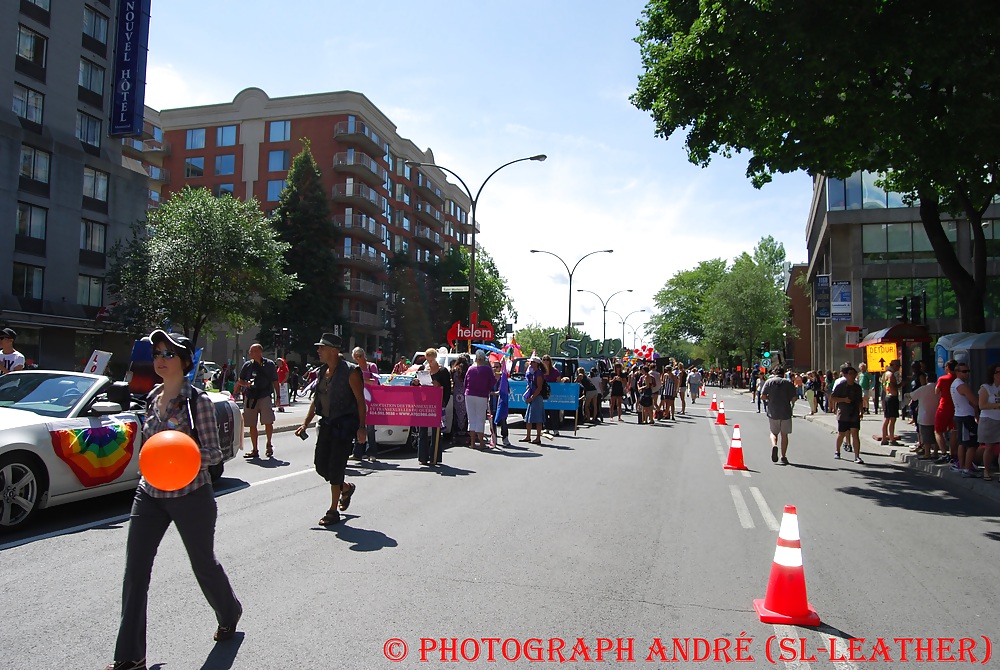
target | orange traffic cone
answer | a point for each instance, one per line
(720, 418)
(735, 461)
(714, 407)
(785, 601)
(702, 390)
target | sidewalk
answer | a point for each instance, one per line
(286, 421)
(872, 425)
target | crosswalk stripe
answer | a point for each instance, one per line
(741, 507)
(765, 511)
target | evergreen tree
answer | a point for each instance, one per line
(303, 221)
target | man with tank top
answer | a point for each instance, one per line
(890, 408)
(966, 405)
(944, 417)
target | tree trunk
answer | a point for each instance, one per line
(967, 290)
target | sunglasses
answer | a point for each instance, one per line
(965, 370)
(165, 355)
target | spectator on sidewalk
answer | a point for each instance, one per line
(924, 398)
(890, 407)
(944, 416)
(989, 420)
(847, 400)
(966, 406)
(865, 382)
(779, 396)
(259, 377)
(282, 368)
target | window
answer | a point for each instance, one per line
(90, 291)
(194, 166)
(95, 184)
(274, 189)
(95, 25)
(27, 281)
(223, 189)
(31, 220)
(195, 139)
(88, 129)
(225, 164)
(35, 164)
(41, 4)
(277, 161)
(901, 242)
(28, 103)
(91, 76)
(281, 131)
(93, 236)
(879, 297)
(31, 46)
(225, 136)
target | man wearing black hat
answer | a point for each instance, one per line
(10, 358)
(339, 401)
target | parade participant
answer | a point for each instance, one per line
(369, 373)
(534, 416)
(669, 393)
(11, 360)
(989, 421)
(440, 376)
(495, 425)
(259, 377)
(617, 392)
(779, 394)
(646, 384)
(847, 399)
(174, 405)
(551, 375)
(460, 416)
(944, 415)
(479, 383)
(400, 367)
(339, 402)
(598, 382)
(589, 394)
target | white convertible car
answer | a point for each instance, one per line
(67, 436)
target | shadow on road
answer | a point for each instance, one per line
(891, 486)
(267, 463)
(361, 539)
(520, 453)
(223, 655)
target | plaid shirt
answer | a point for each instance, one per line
(177, 418)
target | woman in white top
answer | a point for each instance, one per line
(965, 418)
(989, 421)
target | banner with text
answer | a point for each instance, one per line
(565, 395)
(418, 406)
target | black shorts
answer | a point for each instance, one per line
(968, 430)
(331, 455)
(890, 409)
(844, 426)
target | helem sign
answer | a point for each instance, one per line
(129, 82)
(483, 332)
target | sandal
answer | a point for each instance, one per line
(527, 439)
(987, 478)
(252, 454)
(331, 518)
(536, 441)
(345, 497)
(269, 452)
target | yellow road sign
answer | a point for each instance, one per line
(878, 356)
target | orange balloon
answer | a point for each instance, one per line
(170, 460)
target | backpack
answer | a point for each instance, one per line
(546, 390)
(262, 387)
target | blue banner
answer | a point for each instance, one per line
(565, 395)
(129, 83)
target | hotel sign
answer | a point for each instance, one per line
(129, 82)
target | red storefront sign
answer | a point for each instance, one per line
(482, 332)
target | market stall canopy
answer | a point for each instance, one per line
(901, 332)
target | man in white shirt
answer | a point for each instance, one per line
(10, 358)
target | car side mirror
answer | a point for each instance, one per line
(103, 408)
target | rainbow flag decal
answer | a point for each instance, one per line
(96, 450)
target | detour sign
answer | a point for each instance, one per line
(878, 356)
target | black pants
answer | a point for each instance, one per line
(332, 453)
(194, 515)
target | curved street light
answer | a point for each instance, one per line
(623, 325)
(604, 305)
(474, 200)
(569, 314)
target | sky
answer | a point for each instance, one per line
(485, 83)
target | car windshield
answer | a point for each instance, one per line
(54, 394)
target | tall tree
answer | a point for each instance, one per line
(681, 304)
(833, 88)
(199, 260)
(302, 220)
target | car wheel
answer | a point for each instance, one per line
(20, 491)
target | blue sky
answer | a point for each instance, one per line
(482, 84)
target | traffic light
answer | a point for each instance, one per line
(765, 349)
(902, 310)
(916, 315)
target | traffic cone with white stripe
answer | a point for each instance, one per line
(735, 461)
(702, 391)
(714, 407)
(720, 418)
(785, 601)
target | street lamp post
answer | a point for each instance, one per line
(604, 305)
(623, 320)
(569, 313)
(472, 212)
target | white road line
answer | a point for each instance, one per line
(765, 511)
(792, 633)
(741, 507)
(121, 518)
(841, 647)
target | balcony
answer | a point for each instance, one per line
(360, 165)
(361, 288)
(366, 261)
(367, 321)
(427, 189)
(424, 236)
(428, 213)
(361, 227)
(145, 147)
(360, 196)
(358, 133)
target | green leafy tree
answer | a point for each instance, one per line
(681, 305)
(833, 88)
(199, 260)
(302, 221)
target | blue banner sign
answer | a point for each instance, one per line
(565, 395)
(821, 296)
(129, 93)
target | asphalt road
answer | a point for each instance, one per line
(622, 531)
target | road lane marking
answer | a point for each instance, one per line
(842, 652)
(765, 511)
(790, 632)
(121, 518)
(741, 507)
